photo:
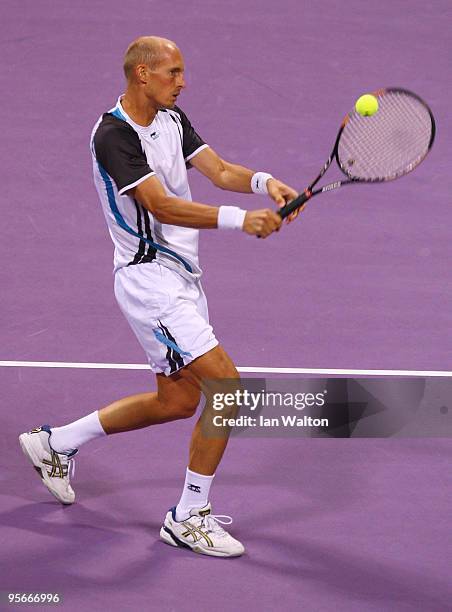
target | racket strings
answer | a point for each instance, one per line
(395, 138)
(402, 128)
(388, 144)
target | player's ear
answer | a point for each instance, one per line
(142, 73)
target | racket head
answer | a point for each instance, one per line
(388, 144)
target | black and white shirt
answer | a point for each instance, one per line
(125, 154)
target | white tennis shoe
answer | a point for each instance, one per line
(54, 468)
(201, 533)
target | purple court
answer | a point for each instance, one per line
(362, 280)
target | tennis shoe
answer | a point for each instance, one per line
(202, 533)
(54, 468)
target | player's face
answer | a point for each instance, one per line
(167, 80)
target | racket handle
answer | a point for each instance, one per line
(289, 208)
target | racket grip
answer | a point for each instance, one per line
(289, 208)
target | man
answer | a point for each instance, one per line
(141, 149)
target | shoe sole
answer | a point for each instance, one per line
(30, 453)
(168, 537)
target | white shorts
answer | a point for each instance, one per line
(168, 314)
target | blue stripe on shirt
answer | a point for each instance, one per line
(121, 222)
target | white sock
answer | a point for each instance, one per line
(70, 437)
(195, 494)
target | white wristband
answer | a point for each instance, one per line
(230, 217)
(259, 182)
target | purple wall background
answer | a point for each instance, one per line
(362, 280)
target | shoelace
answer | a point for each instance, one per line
(211, 523)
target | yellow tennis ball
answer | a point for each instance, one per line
(366, 105)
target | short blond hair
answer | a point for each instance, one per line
(146, 50)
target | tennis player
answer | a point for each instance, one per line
(141, 150)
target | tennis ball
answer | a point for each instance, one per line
(366, 105)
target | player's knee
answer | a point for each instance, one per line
(183, 407)
(185, 411)
(221, 389)
(225, 369)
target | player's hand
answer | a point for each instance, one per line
(282, 194)
(261, 223)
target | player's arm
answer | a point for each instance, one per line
(223, 174)
(173, 211)
(234, 177)
(177, 211)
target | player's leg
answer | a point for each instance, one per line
(171, 402)
(176, 398)
(190, 524)
(206, 451)
(51, 450)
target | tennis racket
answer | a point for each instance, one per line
(379, 148)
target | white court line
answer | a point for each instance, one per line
(256, 370)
